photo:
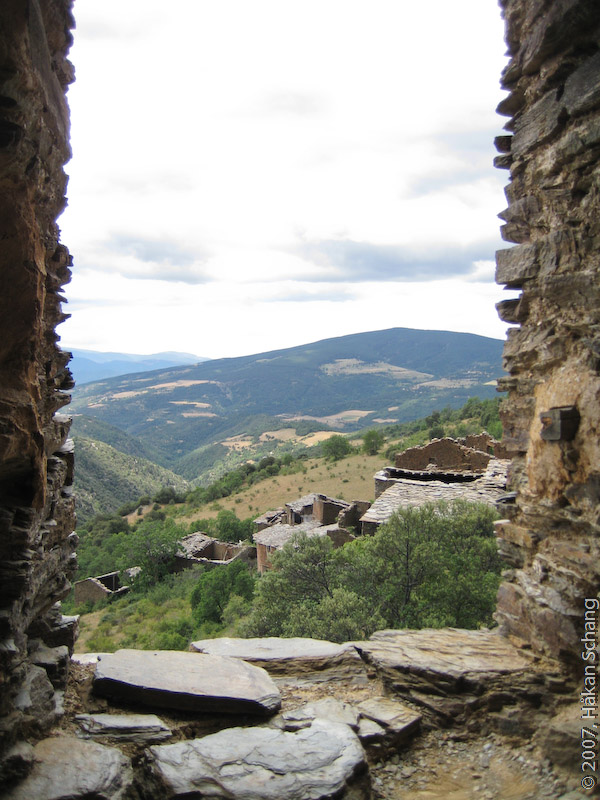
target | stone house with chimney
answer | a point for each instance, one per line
(313, 515)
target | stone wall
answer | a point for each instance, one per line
(552, 353)
(36, 457)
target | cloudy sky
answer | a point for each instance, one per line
(256, 174)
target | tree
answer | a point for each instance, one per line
(215, 588)
(303, 572)
(165, 495)
(336, 447)
(153, 547)
(372, 442)
(428, 566)
(389, 568)
(229, 528)
(341, 617)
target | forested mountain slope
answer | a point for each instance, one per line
(345, 383)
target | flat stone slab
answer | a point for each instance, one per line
(186, 681)
(370, 733)
(450, 653)
(137, 728)
(322, 761)
(329, 708)
(399, 721)
(312, 659)
(87, 658)
(450, 672)
(67, 768)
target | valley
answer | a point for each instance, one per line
(200, 420)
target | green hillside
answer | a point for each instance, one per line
(106, 478)
(164, 615)
(184, 417)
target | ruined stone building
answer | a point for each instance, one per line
(549, 536)
(312, 515)
(442, 471)
(552, 352)
(37, 542)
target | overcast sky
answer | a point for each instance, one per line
(256, 174)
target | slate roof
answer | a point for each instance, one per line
(277, 535)
(404, 492)
(194, 543)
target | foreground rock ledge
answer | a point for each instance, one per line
(313, 660)
(322, 761)
(186, 681)
(66, 768)
(451, 673)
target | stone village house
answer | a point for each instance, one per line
(444, 469)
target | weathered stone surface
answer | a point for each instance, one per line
(537, 124)
(329, 708)
(55, 629)
(136, 728)
(36, 518)
(561, 738)
(320, 761)
(582, 88)
(516, 265)
(186, 681)
(451, 674)
(311, 660)
(399, 721)
(67, 768)
(371, 733)
(554, 211)
(55, 660)
(16, 763)
(36, 700)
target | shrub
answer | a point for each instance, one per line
(372, 442)
(336, 447)
(213, 591)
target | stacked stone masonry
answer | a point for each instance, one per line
(552, 353)
(550, 536)
(36, 457)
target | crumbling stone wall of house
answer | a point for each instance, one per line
(36, 461)
(552, 354)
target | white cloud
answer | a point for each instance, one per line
(211, 139)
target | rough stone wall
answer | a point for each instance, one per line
(443, 454)
(36, 458)
(552, 354)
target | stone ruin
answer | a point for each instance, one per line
(552, 357)
(37, 518)
(199, 548)
(552, 353)
(99, 587)
(312, 515)
(195, 549)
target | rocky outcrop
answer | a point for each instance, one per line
(552, 354)
(186, 681)
(323, 760)
(459, 676)
(66, 767)
(294, 660)
(36, 456)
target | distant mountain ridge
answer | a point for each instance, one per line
(187, 415)
(93, 365)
